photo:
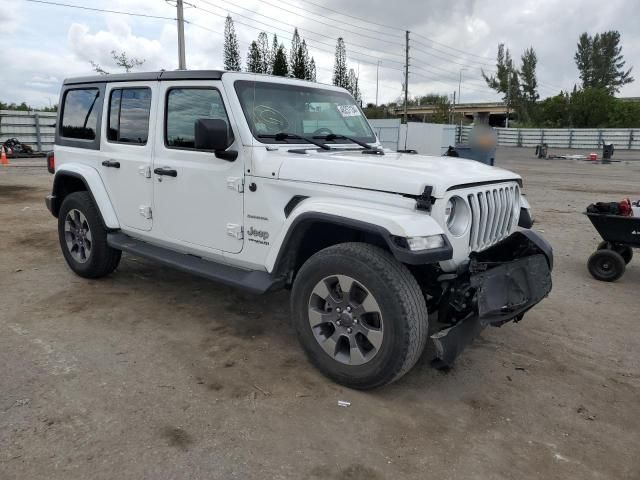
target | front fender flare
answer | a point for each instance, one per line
(384, 220)
(92, 181)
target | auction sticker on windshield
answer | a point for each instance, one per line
(348, 110)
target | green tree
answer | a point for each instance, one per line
(312, 70)
(340, 73)
(553, 112)
(584, 59)
(600, 62)
(624, 114)
(354, 85)
(528, 86)
(231, 49)
(23, 107)
(505, 80)
(265, 53)
(254, 58)
(306, 61)
(590, 108)
(372, 111)
(296, 58)
(280, 65)
(441, 104)
(274, 51)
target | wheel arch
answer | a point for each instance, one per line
(313, 231)
(74, 178)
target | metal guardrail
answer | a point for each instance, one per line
(621, 138)
(36, 129)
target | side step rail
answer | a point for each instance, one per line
(251, 280)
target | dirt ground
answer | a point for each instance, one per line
(151, 373)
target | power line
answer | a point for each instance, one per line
(278, 21)
(452, 48)
(315, 19)
(448, 82)
(377, 57)
(323, 7)
(542, 85)
(118, 12)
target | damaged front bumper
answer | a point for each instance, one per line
(498, 285)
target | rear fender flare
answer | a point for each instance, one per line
(94, 185)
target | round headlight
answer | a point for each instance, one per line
(457, 215)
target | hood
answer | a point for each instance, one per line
(392, 172)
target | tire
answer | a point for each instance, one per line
(373, 335)
(625, 251)
(83, 237)
(606, 265)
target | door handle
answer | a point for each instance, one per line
(165, 171)
(111, 163)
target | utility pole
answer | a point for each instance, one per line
(506, 122)
(459, 84)
(406, 74)
(453, 110)
(182, 64)
(377, 71)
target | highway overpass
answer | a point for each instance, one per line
(493, 113)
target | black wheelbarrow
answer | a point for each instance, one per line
(620, 236)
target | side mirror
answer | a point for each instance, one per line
(213, 134)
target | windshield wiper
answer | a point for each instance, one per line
(279, 137)
(334, 136)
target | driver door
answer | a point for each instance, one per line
(198, 199)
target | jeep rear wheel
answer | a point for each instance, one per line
(83, 237)
(359, 314)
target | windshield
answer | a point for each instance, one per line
(272, 108)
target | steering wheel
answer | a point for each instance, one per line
(323, 131)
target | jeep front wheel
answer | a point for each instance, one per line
(359, 314)
(83, 237)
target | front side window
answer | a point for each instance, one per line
(80, 114)
(272, 108)
(187, 105)
(129, 115)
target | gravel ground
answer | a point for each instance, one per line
(151, 373)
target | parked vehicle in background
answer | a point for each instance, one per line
(265, 183)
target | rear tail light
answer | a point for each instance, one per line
(51, 162)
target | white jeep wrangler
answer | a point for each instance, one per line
(264, 182)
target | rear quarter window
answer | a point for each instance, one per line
(80, 114)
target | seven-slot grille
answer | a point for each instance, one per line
(493, 214)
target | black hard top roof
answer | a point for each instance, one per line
(146, 76)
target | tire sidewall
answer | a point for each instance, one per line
(83, 203)
(616, 260)
(389, 359)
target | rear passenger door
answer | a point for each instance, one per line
(127, 151)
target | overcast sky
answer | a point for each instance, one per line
(42, 44)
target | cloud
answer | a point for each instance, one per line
(445, 37)
(117, 37)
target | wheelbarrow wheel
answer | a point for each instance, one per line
(606, 265)
(625, 251)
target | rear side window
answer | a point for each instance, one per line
(80, 113)
(184, 107)
(129, 115)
